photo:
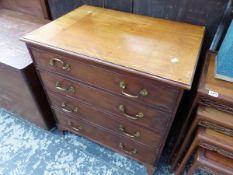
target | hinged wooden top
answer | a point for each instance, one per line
(154, 47)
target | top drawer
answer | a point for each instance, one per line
(138, 89)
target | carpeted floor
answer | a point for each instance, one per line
(28, 150)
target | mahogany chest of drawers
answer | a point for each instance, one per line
(116, 78)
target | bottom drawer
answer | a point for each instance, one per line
(110, 140)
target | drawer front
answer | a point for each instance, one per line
(122, 127)
(142, 115)
(117, 143)
(131, 87)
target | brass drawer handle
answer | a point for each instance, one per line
(143, 92)
(134, 135)
(67, 109)
(77, 129)
(64, 65)
(136, 117)
(123, 148)
(69, 89)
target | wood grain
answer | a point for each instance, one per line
(226, 162)
(154, 47)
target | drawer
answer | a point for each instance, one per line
(104, 137)
(127, 85)
(121, 127)
(125, 109)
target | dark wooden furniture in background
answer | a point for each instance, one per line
(210, 140)
(189, 105)
(37, 8)
(214, 93)
(212, 163)
(116, 78)
(208, 117)
(20, 90)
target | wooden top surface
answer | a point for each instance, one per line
(226, 119)
(224, 88)
(13, 26)
(154, 47)
(219, 159)
(220, 137)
